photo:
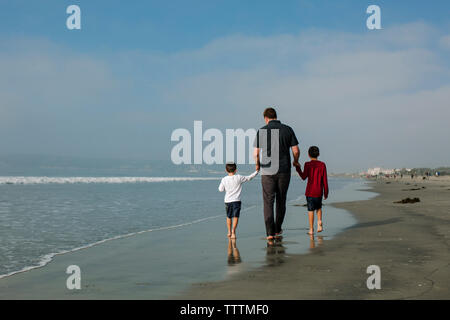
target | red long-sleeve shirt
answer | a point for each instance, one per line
(316, 172)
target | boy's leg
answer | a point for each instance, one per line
(319, 220)
(311, 222)
(235, 223)
(229, 227)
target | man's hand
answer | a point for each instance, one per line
(296, 154)
(325, 198)
(256, 157)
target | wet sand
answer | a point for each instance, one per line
(163, 263)
(409, 242)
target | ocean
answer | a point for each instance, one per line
(51, 211)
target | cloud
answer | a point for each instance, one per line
(358, 95)
(445, 42)
(44, 79)
(375, 98)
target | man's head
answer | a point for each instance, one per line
(313, 152)
(230, 167)
(269, 114)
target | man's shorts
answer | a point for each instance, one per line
(233, 209)
(314, 203)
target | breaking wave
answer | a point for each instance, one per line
(72, 180)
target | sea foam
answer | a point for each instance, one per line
(72, 180)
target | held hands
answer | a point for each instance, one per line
(295, 164)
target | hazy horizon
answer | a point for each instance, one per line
(36, 161)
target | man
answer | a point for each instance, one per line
(276, 175)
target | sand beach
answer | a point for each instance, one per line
(409, 242)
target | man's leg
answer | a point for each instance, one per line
(268, 188)
(283, 186)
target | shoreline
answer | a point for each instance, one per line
(48, 258)
(410, 247)
(409, 242)
(120, 269)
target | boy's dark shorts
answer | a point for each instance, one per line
(233, 209)
(314, 203)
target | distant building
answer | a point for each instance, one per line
(378, 171)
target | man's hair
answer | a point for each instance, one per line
(313, 152)
(270, 113)
(230, 167)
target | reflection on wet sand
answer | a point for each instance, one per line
(275, 252)
(234, 257)
(312, 241)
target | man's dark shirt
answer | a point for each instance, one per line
(287, 140)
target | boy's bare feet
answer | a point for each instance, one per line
(319, 226)
(229, 234)
(310, 232)
(270, 238)
(233, 236)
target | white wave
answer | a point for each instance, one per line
(72, 180)
(49, 257)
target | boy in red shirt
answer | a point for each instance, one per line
(316, 172)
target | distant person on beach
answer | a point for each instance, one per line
(316, 173)
(232, 185)
(275, 179)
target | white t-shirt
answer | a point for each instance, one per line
(232, 185)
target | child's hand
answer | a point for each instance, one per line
(296, 164)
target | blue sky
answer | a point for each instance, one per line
(140, 69)
(169, 26)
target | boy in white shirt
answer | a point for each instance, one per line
(232, 185)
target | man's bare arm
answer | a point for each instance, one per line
(296, 154)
